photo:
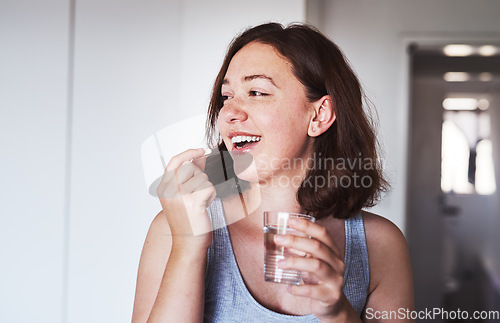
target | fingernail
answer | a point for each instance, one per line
(282, 263)
(279, 238)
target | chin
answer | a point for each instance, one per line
(245, 172)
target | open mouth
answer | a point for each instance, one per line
(245, 142)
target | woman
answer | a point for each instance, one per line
(282, 94)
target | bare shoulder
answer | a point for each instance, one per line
(386, 245)
(389, 260)
(381, 232)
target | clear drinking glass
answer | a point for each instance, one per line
(277, 223)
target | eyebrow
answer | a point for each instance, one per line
(253, 77)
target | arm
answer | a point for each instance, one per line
(170, 283)
(391, 283)
(181, 294)
(155, 253)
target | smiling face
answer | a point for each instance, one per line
(265, 113)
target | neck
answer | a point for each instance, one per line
(259, 198)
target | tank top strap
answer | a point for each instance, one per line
(357, 271)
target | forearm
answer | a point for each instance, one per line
(181, 294)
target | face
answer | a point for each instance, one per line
(265, 113)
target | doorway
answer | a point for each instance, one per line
(452, 189)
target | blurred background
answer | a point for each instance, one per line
(83, 83)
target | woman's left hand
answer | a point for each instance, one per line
(323, 271)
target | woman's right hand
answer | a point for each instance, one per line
(185, 192)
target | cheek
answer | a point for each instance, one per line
(288, 136)
(219, 121)
(292, 122)
(222, 128)
(296, 110)
(290, 130)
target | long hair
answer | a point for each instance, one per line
(346, 154)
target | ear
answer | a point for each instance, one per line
(323, 116)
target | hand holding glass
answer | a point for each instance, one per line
(277, 223)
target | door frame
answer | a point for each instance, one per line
(427, 297)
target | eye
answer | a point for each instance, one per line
(258, 93)
(224, 98)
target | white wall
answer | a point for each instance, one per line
(126, 66)
(33, 109)
(372, 34)
(74, 204)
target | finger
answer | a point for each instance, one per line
(322, 270)
(309, 278)
(201, 161)
(183, 157)
(181, 174)
(212, 197)
(186, 172)
(176, 162)
(204, 192)
(194, 183)
(325, 294)
(313, 247)
(316, 231)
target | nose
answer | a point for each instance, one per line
(233, 112)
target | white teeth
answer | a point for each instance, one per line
(239, 139)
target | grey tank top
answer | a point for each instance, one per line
(227, 298)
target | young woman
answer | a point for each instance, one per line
(282, 95)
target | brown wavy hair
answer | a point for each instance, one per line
(351, 140)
